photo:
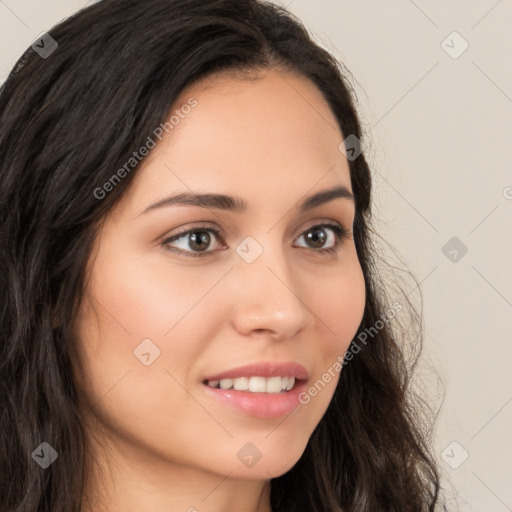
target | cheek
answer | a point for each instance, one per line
(145, 298)
(119, 386)
(133, 309)
(339, 308)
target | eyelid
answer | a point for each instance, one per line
(323, 222)
(188, 230)
(299, 231)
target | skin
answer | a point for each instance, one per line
(166, 445)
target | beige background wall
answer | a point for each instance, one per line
(440, 121)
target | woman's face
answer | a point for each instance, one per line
(160, 316)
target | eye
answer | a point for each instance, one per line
(198, 240)
(195, 242)
(316, 236)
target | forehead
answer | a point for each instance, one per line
(273, 134)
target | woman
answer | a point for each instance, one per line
(191, 313)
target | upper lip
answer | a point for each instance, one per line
(263, 369)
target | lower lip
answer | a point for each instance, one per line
(262, 405)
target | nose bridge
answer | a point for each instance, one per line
(267, 296)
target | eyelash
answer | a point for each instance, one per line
(340, 232)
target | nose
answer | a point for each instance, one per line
(269, 299)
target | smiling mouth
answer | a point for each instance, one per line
(254, 384)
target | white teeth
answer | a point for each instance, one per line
(274, 385)
(255, 384)
(226, 383)
(241, 384)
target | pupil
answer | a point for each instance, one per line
(195, 239)
(317, 236)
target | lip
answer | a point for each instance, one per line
(264, 369)
(261, 405)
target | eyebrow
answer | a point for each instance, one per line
(239, 205)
